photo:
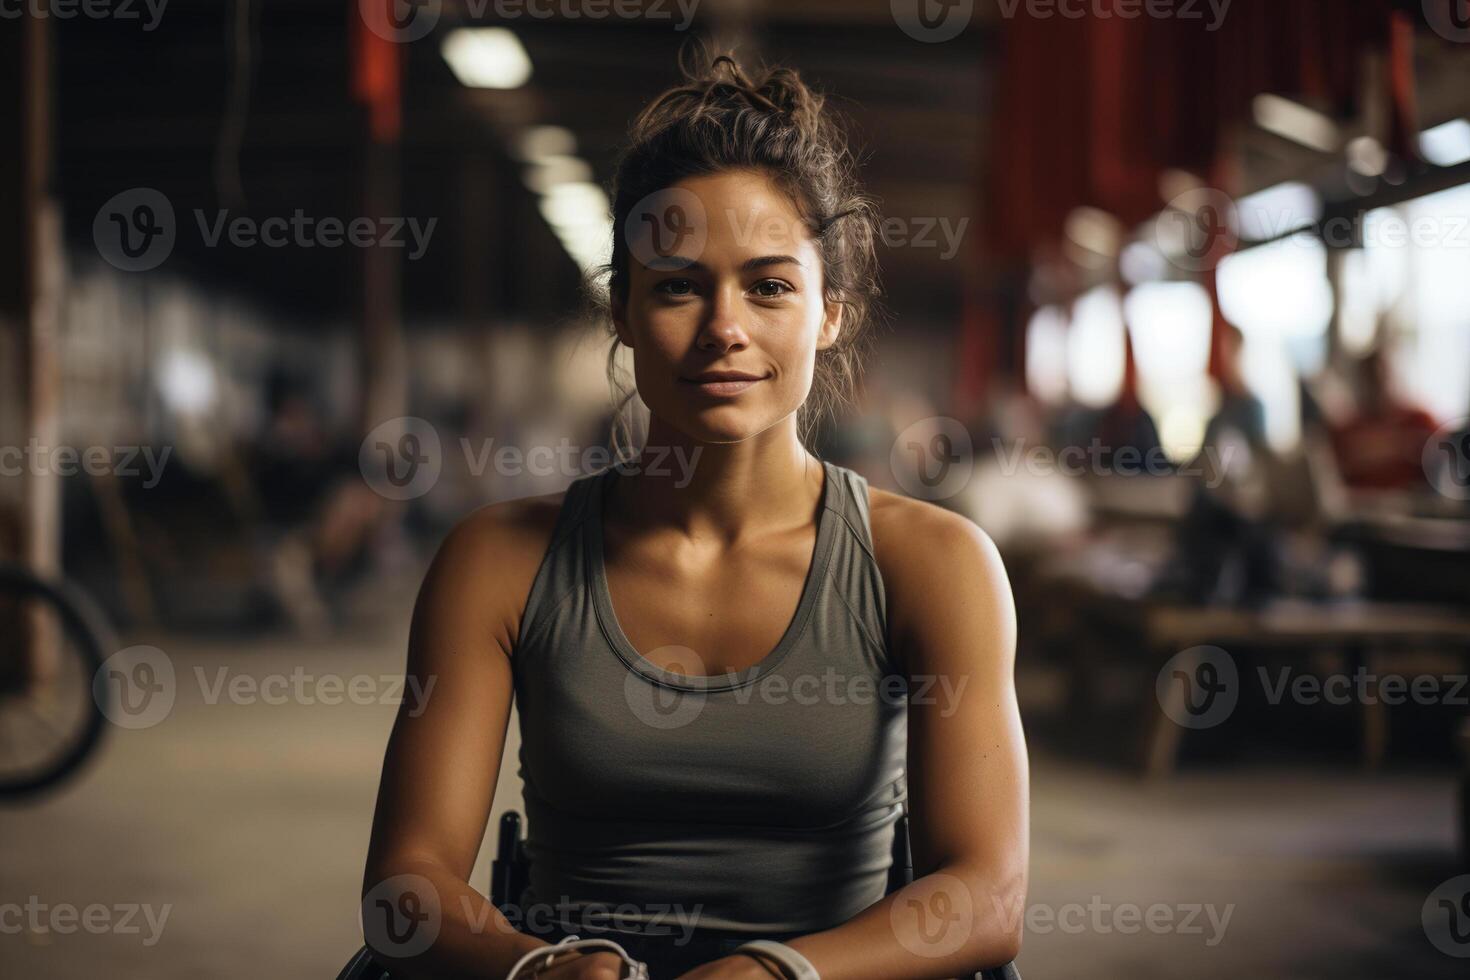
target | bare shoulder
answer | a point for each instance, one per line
(486, 565)
(507, 528)
(937, 565)
(915, 539)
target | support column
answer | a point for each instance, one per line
(30, 286)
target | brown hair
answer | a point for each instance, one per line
(720, 119)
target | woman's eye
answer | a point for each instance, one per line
(676, 287)
(771, 287)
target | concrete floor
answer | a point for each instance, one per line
(249, 823)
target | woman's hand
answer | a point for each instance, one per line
(736, 967)
(584, 966)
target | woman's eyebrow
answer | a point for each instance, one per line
(761, 261)
(675, 263)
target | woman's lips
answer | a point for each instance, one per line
(725, 388)
(723, 383)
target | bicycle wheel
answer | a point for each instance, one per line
(51, 643)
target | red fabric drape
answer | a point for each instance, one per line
(377, 75)
(1091, 110)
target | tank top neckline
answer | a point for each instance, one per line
(635, 661)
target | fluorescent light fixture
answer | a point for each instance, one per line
(1294, 121)
(1437, 364)
(572, 205)
(1095, 357)
(187, 381)
(553, 169)
(1176, 183)
(1170, 323)
(1447, 144)
(1094, 229)
(1367, 156)
(1141, 262)
(1278, 290)
(1357, 305)
(1046, 355)
(537, 143)
(1387, 255)
(578, 213)
(1277, 210)
(487, 57)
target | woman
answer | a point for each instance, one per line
(713, 747)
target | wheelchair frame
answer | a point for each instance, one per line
(510, 874)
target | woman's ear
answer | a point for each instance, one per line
(831, 327)
(620, 321)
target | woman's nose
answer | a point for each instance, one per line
(721, 330)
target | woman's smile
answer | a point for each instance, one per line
(723, 384)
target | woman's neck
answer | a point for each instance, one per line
(724, 491)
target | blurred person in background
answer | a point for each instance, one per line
(1226, 545)
(1380, 445)
(1126, 424)
(769, 817)
(319, 514)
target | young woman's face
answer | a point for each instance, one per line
(725, 310)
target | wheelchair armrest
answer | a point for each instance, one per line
(362, 966)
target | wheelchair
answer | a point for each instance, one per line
(510, 874)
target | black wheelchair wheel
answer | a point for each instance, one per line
(51, 644)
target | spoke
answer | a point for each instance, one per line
(5, 737)
(35, 711)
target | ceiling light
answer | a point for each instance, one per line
(1448, 144)
(1277, 211)
(487, 57)
(535, 143)
(1294, 121)
(551, 170)
(1367, 156)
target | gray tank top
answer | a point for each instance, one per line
(762, 801)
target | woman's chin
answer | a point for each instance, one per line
(720, 426)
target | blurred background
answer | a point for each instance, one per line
(1179, 312)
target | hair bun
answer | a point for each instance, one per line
(775, 90)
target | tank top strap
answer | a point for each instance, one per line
(563, 566)
(854, 567)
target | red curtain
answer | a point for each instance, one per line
(1091, 110)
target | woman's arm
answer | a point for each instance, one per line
(443, 758)
(951, 623)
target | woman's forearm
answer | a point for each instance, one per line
(951, 923)
(449, 930)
